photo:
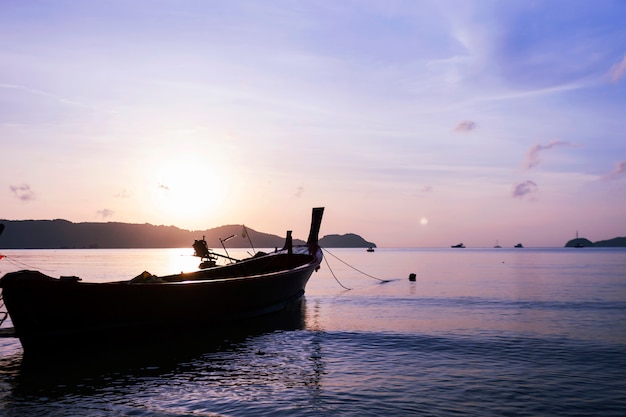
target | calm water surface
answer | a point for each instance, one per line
(489, 332)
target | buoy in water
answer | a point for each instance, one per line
(411, 277)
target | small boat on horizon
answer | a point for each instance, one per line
(57, 315)
(519, 245)
(460, 245)
(370, 249)
(497, 245)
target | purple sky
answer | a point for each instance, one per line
(415, 123)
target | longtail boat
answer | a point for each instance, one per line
(66, 313)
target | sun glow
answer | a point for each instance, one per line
(188, 192)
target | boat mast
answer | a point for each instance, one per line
(316, 222)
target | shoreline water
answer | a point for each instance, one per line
(487, 332)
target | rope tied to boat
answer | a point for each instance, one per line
(347, 264)
(19, 264)
(333, 274)
(3, 314)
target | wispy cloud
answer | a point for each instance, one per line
(618, 172)
(123, 194)
(618, 70)
(465, 126)
(509, 94)
(104, 213)
(23, 192)
(424, 191)
(41, 93)
(532, 157)
(524, 189)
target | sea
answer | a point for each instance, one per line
(480, 332)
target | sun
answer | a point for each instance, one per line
(187, 192)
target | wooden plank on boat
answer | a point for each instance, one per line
(7, 332)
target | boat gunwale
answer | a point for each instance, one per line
(233, 279)
(270, 274)
(315, 258)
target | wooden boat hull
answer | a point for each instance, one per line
(57, 313)
(47, 311)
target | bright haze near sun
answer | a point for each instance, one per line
(415, 123)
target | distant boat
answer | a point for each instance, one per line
(496, 245)
(519, 245)
(370, 249)
(460, 245)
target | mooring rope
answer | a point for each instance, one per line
(21, 264)
(347, 264)
(333, 274)
(3, 314)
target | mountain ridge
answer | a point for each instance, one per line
(63, 234)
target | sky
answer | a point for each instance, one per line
(415, 123)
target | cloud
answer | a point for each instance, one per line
(424, 191)
(123, 194)
(23, 192)
(525, 188)
(105, 213)
(532, 157)
(41, 93)
(618, 171)
(618, 70)
(465, 126)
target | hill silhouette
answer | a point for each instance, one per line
(611, 243)
(63, 234)
(349, 240)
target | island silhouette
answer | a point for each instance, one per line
(581, 242)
